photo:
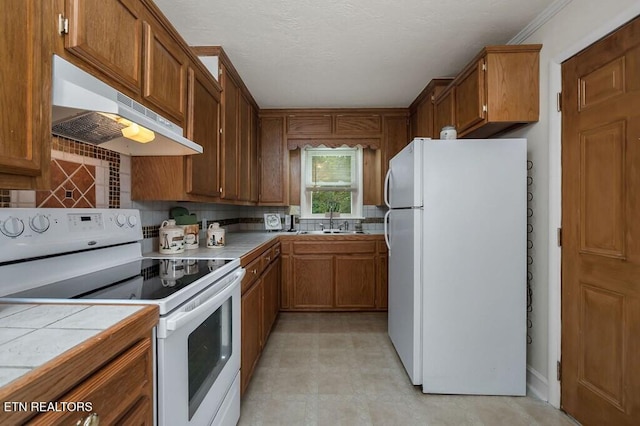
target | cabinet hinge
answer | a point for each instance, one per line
(559, 237)
(484, 108)
(558, 371)
(484, 66)
(63, 24)
(559, 101)
(220, 130)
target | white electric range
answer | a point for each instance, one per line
(94, 256)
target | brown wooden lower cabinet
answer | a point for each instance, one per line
(259, 306)
(251, 332)
(112, 370)
(322, 273)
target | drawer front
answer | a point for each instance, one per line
(254, 269)
(337, 247)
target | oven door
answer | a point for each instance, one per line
(199, 356)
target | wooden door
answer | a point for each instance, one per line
(203, 170)
(244, 149)
(251, 332)
(271, 297)
(25, 94)
(108, 35)
(601, 231)
(470, 104)
(444, 113)
(355, 284)
(254, 166)
(312, 285)
(274, 170)
(230, 95)
(165, 74)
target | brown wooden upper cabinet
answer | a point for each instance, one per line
(239, 132)
(165, 74)
(422, 110)
(444, 111)
(112, 44)
(131, 50)
(309, 125)
(203, 170)
(25, 119)
(230, 134)
(498, 90)
(274, 161)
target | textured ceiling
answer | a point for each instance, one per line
(347, 53)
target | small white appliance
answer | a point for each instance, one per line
(456, 232)
(94, 256)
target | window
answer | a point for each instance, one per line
(331, 181)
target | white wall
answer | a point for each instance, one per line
(578, 24)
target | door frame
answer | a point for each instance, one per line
(555, 192)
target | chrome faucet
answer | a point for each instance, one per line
(333, 206)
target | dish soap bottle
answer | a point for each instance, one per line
(215, 236)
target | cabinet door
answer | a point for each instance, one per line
(382, 281)
(355, 281)
(25, 94)
(165, 74)
(203, 170)
(274, 170)
(251, 333)
(108, 36)
(255, 166)
(229, 143)
(271, 305)
(114, 390)
(358, 124)
(309, 125)
(245, 153)
(470, 104)
(396, 137)
(312, 285)
(444, 111)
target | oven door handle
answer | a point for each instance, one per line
(182, 318)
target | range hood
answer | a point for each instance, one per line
(87, 110)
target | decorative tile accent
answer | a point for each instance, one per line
(72, 185)
(5, 198)
(150, 231)
(79, 175)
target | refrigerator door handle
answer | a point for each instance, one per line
(387, 238)
(387, 178)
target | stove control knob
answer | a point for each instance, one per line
(39, 223)
(12, 227)
(121, 220)
(133, 221)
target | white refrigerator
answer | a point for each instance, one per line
(456, 232)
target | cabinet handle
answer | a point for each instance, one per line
(254, 272)
(268, 258)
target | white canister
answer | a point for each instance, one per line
(215, 236)
(171, 238)
(448, 132)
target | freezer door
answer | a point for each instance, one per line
(405, 313)
(404, 178)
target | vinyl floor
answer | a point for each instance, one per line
(341, 369)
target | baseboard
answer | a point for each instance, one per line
(537, 385)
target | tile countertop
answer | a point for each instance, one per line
(237, 245)
(32, 335)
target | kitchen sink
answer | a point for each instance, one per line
(331, 232)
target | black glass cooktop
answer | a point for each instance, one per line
(142, 279)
